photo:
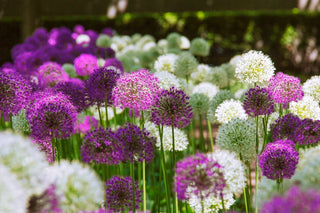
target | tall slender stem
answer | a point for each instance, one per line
(210, 134)
(53, 147)
(201, 133)
(106, 110)
(3, 124)
(100, 116)
(245, 199)
(133, 189)
(143, 170)
(175, 199)
(256, 169)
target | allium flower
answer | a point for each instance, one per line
(230, 109)
(218, 76)
(305, 108)
(120, 193)
(51, 73)
(171, 108)
(167, 80)
(201, 73)
(285, 127)
(206, 88)
(15, 92)
(136, 90)
(101, 146)
(199, 103)
(279, 160)
(312, 88)
(198, 175)
(100, 85)
(103, 41)
(235, 60)
(20, 122)
(199, 47)
(258, 101)
(114, 62)
(254, 67)
(86, 124)
(240, 94)
(230, 70)
(238, 136)
(174, 40)
(285, 88)
(165, 63)
(184, 65)
(137, 144)
(85, 64)
(187, 87)
(185, 43)
(308, 132)
(77, 186)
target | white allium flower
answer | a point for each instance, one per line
(20, 122)
(148, 46)
(312, 87)
(165, 63)
(120, 42)
(185, 43)
(201, 73)
(208, 89)
(254, 67)
(240, 93)
(167, 80)
(77, 186)
(83, 39)
(307, 107)
(235, 60)
(13, 198)
(230, 109)
(187, 87)
(162, 43)
(23, 159)
(95, 112)
(101, 62)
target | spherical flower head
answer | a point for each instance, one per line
(20, 123)
(201, 73)
(308, 132)
(136, 90)
(15, 91)
(218, 76)
(101, 146)
(171, 108)
(230, 109)
(305, 108)
(85, 64)
(285, 127)
(200, 47)
(120, 193)
(238, 136)
(198, 175)
(137, 144)
(69, 69)
(174, 41)
(185, 64)
(312, 88)
(230, 70)
(279, 160)
(103, 41)
(115, 63)
(165, 63)
(254, 67)
(87, 123)
(199, 103)
(208, 89)
(100, 85)
(258, 101)
(167, 80)
(51, 73)
(285, 88)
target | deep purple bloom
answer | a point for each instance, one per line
(279, 160)
(108, 31)
(101, 146)
(85, 64)
(308, 132)
(119, 193)
(171, 108)
(115, 63)
(51, 73)
(285, 127)
(137, 144)
(199, 175)
(258, 101)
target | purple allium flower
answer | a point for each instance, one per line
(87, 123)
(108, 31)
(172, 108)
(137, 144)
(115, 63)
(44, 145)
(199, 175)
(51, 115)
(120, 195)
(285, 127)
(279, 160)
(100, 85)
(258, 101)
(308, 132)
(101, 146)
(51, 73)
(15, 91)
(85, 64)
(294, 201)
(285, 88)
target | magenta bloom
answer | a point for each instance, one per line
(136, 90)
(86, 125)
(279, 160)
(308, 132)
(285, 127)
(85, 64)
(51, 73)
(285, 88)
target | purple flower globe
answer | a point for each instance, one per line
(85, 64)
(171, 108)
(308, 132)
(101, 146)
(258, 101)
(115, 63)
(279, 160)
(199, 175)
(119, 193)
(137, 144)
(51, 73)
(285, 127)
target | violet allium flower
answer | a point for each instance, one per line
(199, 175)
(100, 85)
(308, 132)
(51, 73)
(85, 64)
(285, 88)
(136, 90)
(115, 63)
(119, 194)
(137, 144)
(285, 127)
(15, 91)
(171, 108)
(258, 101)
(101, 146)
(279, 160)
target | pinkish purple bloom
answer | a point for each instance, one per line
(115, 63)
(51, 73)
(88, 123)
(85, 64)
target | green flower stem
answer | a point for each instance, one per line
(201, 134)
(133, 189)
(210, 134)
(53, 149)
(115, 117)
(10, 121)
(175, 204)
(143, 170)
(3, 124)
(256, 169)
(280, 185)
(106, 110)
(100, 117)
(191, 138)
(245, 199)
